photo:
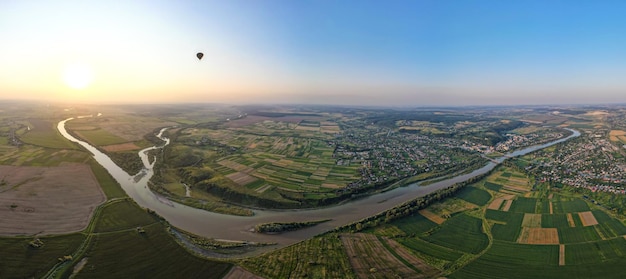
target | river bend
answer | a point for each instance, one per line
(220, 226)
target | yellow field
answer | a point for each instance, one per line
(617, 135)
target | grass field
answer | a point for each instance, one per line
(109, 186)
(122, 215)
(100, 137)
(44, 133)
(474, 195)
(153, 254)
(118, 249)
(20, 260)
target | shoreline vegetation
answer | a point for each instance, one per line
(213, 248)
(277, 227)
(212, 206)
(407, 208)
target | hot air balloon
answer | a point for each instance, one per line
(199, 55)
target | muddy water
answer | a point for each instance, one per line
(229, 227)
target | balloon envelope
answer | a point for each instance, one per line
(199, 55)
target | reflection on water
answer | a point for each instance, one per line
(222, 226)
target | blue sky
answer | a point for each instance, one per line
(408, 53)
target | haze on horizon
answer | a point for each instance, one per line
(408, 53)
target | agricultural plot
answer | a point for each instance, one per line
(596, 252)
(319, 257)
(473, 240)
(578, 234)
(368, 257)
(415, 224)
(493, 186)
(508, 179)
(609, 226)
(507, 205)
(524, 205)
(617, 135)
(429, 250)
(474, 195)
(576, 205)
(511, 260)
(432, 216)
(531, 220)
(534, 235)
(511, 228)
(301, 175)
(47, 200)
(496, 204)
(554, 221)
(587, 218)
(29, 155)
(409, 259)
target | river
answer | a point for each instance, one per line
(228, 227)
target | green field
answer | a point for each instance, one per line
(577, 205)
(44, 133)
(577, 234)
(319, 257)
(492, 186)
(474, 195)
(431, 250)
(20, 260)
(100, 137)
(473, 240)
(610, 226)
(153, 254)
(122, 215)
(524, 205)
(511, 260)
(554, 221)
(415, 224)
(511, 229)
(109, 186)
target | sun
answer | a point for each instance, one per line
(77, 75)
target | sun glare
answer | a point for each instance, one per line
(77, 75)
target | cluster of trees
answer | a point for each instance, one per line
(389, 118)
(283, 227)
(410, 207)
(128, 161)
(221, 187)
(611, 201)
(194, 175)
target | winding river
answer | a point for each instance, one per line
(228, 227)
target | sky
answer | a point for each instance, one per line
(383, 53)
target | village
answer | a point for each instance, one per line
(590, 161)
